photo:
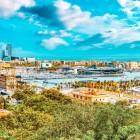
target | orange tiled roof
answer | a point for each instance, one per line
(4, 113)
(91, 93)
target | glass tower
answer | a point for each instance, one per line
(8, 51)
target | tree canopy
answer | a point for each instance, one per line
(52, 116)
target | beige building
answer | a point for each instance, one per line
(7, 82)
(91, 97)
(4, 65)
(138, 64)
(132, 65)
(8, 79)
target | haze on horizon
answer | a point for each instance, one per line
(71, 29)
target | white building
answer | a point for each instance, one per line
(45, 65)
(30, 59)
(75, 69)
(135, 90)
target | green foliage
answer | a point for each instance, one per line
(53, 116)
(128, 132)
(89, 135)
(5, 136)
(23, 94)
(19, 95)
(54, 94)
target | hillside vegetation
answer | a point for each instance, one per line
(53, 116)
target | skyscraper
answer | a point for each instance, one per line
(7, 53)
(8, 50)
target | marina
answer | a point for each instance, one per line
(51, 82)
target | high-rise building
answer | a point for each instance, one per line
(8, 50)
(1, 54)
(7, 53)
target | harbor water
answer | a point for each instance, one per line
(55, 82)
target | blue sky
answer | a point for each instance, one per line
(71, 29)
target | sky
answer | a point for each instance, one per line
(71, 29)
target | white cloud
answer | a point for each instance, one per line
(53, 33)
(85, 48)
(21, 53)
(129, 5)
(64, 33)
(70, 15)
(43, 32)
(10, 7)
(53, 42)
(108, 25)
(123, 35)
(31, 19)
(117, 31)
(100, 24)
(77, 38)
(21, 15)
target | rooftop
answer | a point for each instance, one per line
(4, 112)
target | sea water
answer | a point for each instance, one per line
(56, 82)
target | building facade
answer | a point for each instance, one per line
(8, 82)
(91, 97)
(132, 65)
(8, 79)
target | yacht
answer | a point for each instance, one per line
(137, 78)
(45, 81)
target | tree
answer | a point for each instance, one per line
(6, 136)
(89, 135)
(53, 116)
(19, 95)
(2, 103)
(123, 104)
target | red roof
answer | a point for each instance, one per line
(91, 93)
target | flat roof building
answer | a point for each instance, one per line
(91, 96)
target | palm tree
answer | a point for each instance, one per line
(34, 87)
(2, 103)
